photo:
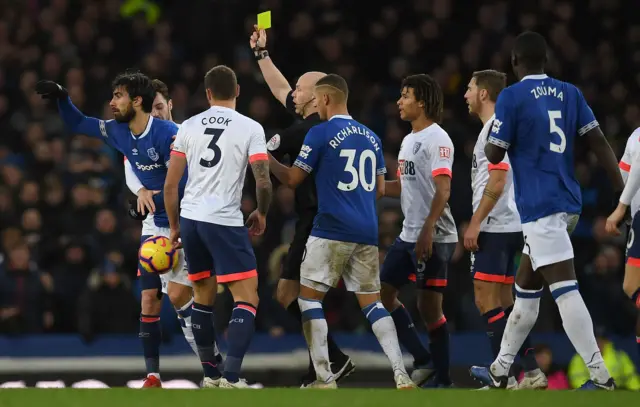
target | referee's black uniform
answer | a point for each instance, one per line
(289, 142)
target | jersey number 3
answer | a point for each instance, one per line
(358, 177)
(554, 128)
(216, 133)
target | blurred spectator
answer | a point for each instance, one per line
(557, 378)
(108, 296)
(25, 306)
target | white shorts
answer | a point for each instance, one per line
(546, 240)
(179, 275)
(326, 261)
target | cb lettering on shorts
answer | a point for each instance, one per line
(236, 320)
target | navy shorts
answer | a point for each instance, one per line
(223, 251)
(400, 266)
(148, 281)
(633, 244)
(495, 259)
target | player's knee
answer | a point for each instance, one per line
(287, 292)
(204, 291)
(245, 291)
(506, 296)
(179, 294)
(630, 287)
(150, 304)
(389, 297)
(430, 306)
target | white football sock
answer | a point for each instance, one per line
(315, 329)
(522, 319)
(578, 325)
(385, 330)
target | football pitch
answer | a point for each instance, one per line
(282, 397)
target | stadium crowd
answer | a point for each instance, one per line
(68, 249)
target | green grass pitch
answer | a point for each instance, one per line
(281, 397)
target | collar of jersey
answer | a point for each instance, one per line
(146, 130)
(535, 77)
(341, 116)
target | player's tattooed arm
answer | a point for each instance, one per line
(491, 194)
(289, 176)
(264, 189)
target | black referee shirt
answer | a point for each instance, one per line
(289, 142)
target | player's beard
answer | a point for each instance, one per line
(127, 116)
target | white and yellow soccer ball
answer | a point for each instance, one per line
(156, 255)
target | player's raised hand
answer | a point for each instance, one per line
(424, 245)
(257, 223)
(50, 90)
(471, 237)
(611, 226)
(145, 200)
(258, 38)
(174, 238)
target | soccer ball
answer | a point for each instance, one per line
(156, 255)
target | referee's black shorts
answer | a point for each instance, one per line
(297, 250)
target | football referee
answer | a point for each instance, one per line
(299, 102)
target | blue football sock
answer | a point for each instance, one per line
(496, 322)
(151, 336)
(439, 346)
(202, 326)
(241, 328)
(408, 336)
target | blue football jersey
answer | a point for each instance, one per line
(537, 121)
(148, 152)
(345, 157)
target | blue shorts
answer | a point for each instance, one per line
(223, 251)
(633, 244)
(495, 259)
(148, 281)
(400, 266)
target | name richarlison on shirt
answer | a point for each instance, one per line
(347, 131)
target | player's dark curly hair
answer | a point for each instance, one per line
(426, 90)
(137, 84)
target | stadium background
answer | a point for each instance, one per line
(67, 271)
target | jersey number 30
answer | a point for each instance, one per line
(358, 177)
(554, 128)
(216, 133)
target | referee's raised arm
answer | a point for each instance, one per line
(277, 83)
(299, 100)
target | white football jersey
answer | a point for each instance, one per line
(630, 152)
(218, 144)
(423, 156)
(504, 216)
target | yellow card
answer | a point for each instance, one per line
(264, 20)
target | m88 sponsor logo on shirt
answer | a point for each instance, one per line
(406, 168)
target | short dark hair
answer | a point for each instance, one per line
(335, 81)
(137, 84)
(222, 82)
(492, 81)
(161, 88)
(530, 49)
(427, 90)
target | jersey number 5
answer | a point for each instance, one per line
(359, 176)
(554, 128)
(216, 133)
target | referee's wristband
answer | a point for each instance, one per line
(260, 53)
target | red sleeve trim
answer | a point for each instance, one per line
(624, 166)
(258, 157)
(178, 153)
(500, 166)
(441, 171)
